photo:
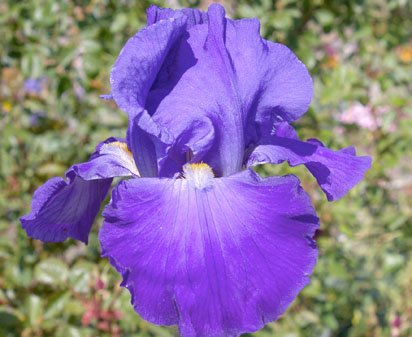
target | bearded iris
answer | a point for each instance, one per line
(200, 239)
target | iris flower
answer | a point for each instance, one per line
(200, 239)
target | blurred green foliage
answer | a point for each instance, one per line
(55, 58)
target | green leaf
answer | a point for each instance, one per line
(56, 305)
(71, 331)
(10, 318)
(34, 307)
(119, 23)
(51, 271)
(79, 277)
(325, 17)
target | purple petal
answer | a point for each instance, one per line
(132, 76)
(148, 142)
(218, 261)
(194, 16)
(335, 171)
(140, 60)
(63, 209)
(188, 66)
(191, 145)
(200, 64)
(112, 159)
(253, 81)
(272, 81)
(34, 86)
(106, 97)
(159, 153)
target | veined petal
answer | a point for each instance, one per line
(174, 106)
(272, 82)
(335, 171)
(254, 82)
(200, 64)
(186, 66)
(135, 72)
(217, 261)
(140, 60)
(63, 209)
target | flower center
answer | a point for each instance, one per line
(199, 175)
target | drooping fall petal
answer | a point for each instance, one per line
(217, 261)
(67, 208)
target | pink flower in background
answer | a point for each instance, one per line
(367, 117)
(361, 115)
(335, 49)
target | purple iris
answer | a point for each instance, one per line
(34, 86)
(200, 239)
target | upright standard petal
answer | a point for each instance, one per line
(253, 81)
(273, 83)
(140, 60)
(216, 256)
(194, 16)
(168, 69)
(132, 77)
(335, 171)
(63, 209)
